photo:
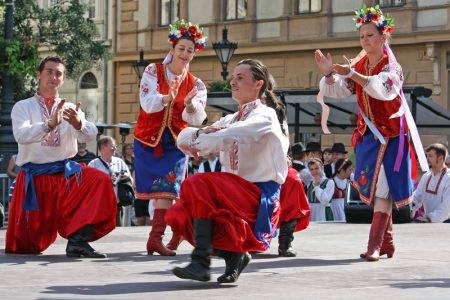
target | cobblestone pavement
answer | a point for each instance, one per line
(327, 267)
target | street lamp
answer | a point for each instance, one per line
(224, 51)
(140, 65)
(124, 130)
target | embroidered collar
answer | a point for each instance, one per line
(427, 189)
(245, 110)
(49, 101)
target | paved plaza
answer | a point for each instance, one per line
(327, 267)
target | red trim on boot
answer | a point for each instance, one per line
(154, 243)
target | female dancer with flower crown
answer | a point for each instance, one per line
(385, 126)
(170, 98)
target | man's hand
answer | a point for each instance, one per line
(73, 116)
(57, 115)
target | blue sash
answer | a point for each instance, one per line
(270, 193)
(31, 169)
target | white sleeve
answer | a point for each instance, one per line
(24, 131)
(199, 101)
(418, 195)
(150, 98)
(324, 195)
(385, 85)
(339, 89)
(88, 131)
(243, 132)
(443, 212)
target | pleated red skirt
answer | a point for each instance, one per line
(64, 208)
(231, 201)
(293, 202)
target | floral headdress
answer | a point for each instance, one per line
(374, 15)
(182, 28)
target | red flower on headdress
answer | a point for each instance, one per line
(390, 29)
(173, 40)
(193, 30)
(375, 16)
(360, 20)
(182, 31)
(198, 35)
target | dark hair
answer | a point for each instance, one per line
(260, 72)
(54, 59)
(440, 149)
(103, 141)
(326, 150)
(125, 146)
(183, 38)
(341, 164)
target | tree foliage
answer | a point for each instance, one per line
(63, 28)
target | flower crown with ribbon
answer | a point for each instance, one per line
(374, 15)
(182, 28)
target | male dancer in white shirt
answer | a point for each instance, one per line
(237, 210)
(433, 191)
(47, 198)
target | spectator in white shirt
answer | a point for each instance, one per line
(433, 191)
(116, 168)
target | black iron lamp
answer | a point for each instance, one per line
(224, 51)
(140, 65)
(124, 130)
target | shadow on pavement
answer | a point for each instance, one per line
(135, 288)
(423, 283)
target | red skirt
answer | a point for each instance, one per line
(293, 202)
(64, 208)
(231, 201)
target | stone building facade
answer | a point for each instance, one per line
(281, 33)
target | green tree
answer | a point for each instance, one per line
(62, 28)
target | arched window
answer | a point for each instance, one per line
(88, 81)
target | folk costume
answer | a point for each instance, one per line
(319, 198)
(237, 210)
(157, 128)
(433, 192)
(385, 166)
(52, 194)
(294, 214)
(337, 201)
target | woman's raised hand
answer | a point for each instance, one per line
(342, 69)
(325, 63)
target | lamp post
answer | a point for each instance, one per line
(124, 130)
(140, 65)
(224, 51)
(8, 145)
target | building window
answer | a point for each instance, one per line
(309, 6)
(88, 81)
(392, 3)
(236, 9)
(48, 3)
(91, 9)
(170, 11)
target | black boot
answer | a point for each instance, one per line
(198, 269)
(77, 245)
(286, 237)
(235, 262)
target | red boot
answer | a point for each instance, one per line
(379, 223)
(154, 243)
(174, 242)
(387, 247)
